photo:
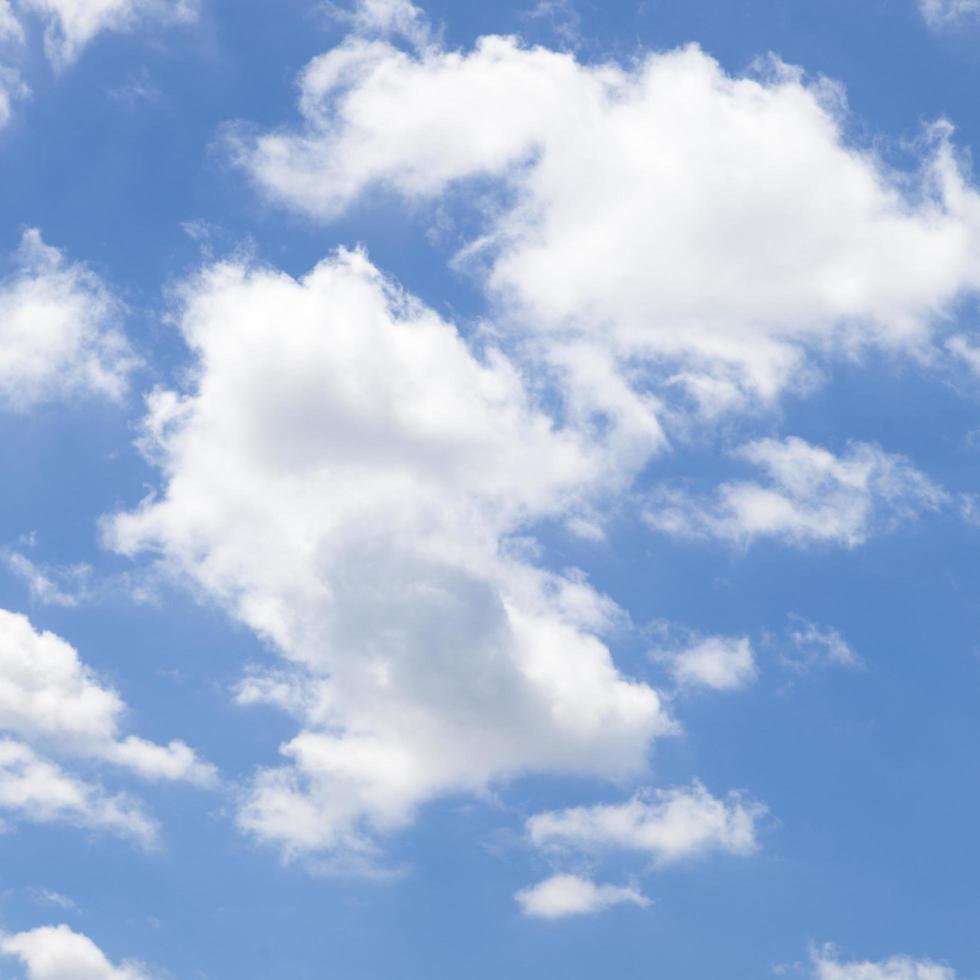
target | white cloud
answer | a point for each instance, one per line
(10, 27)
(731, 233)
(49, 696)
(948, 13)
(565, 895)
(71, 24)
(722, 663)
(344, 475)
(811, 496)
(58, 953)
(828, 967)
(58, 333)
(35, 789)
(669, 825)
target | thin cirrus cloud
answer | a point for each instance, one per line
(565, 895)
(59, 331)
(344, 475)
(948, 13)
(69, 25)
(60, 953)
(810, 496)
(732, 233)
(52, 703)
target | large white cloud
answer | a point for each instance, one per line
(660, 230)
(827, 966)
(566, 895)
(345, 475)
(59, 333)
(810, 496)
(71, 24)
(59, 953)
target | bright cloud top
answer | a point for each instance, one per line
(71, 24)
(58, 953)
(730, 233)
(812, 496)
(58, 331)
(669, 825)
(344, 475)
(828, 967)
(562, 896)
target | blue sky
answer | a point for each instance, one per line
(490, 489)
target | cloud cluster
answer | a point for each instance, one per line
(731, 235)
(346, 475)
(52, 703)
(811, 496)
(58, 953)
(59, 333)
(667, 826)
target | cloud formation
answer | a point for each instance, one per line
(52, 703)
(811, 496)
(827, 966)
(59, 333)
(71, 24)
(668, 825)
(721, 663)
(565, 895)
(732, 235)
(346, 476)
(58, 953)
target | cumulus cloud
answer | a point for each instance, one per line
(345, 475)
(58, 953)
(566, 895)
(827, 966)
(669, 825)
(72, 24)
(811, 496)
(35, 789)
(58, 330)
(53, 704)
(722, 663)
(731, 233)
(48, 695)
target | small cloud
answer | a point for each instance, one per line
(807, 647)
(562, 896)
